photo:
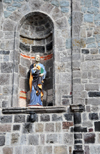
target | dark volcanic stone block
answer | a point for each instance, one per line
(80, 129)
(36, 49)
(24, 47)
(56, 117)
(27, 128)
(93, 116)
(16, 127)
(77, 118)
(97, 126)
(89, 138)
(5, 52)
(78, 147)
(77, 136)
(78, 141)
(2, 140)
(49, 46)
(68, 117)
(6, 119)
(45, 118)
(94, 94)
(19, 118)
(78, 152)
(85, 51)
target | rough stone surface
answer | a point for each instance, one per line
(89, 138)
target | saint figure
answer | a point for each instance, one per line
(37, 75)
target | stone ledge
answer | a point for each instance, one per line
(27, 110)
(77, 108)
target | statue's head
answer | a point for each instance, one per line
(37, 58)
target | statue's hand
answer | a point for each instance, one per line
(41, 74)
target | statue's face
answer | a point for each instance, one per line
(37, 58)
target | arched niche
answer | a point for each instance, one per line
(35, 36)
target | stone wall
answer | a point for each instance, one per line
(70, 49)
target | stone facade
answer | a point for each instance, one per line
(65, 33)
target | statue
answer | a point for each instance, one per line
(37, 75)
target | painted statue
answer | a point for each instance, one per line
(37, 75)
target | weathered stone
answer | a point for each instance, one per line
(28, 149)
(93, 116)
(2, 140)
(88, 18)
(85, 51)
(16, 4)
(77, 18)
(47, 149)
(93, 45)
(27, 128)
(87, 124)
(33, 140)
(24, 47)
(78, 141)
(94, 51)
(7, 1)
(95, 3)
(18, 150)
(5, 104)
(93, 101)
(89, 138)
(22, 71)
(36, 49)
(61, 23)
(45, 117)
(80, 129)
(68, 117)
(49, 127)
(66, 125)
(87, 3)
(6, 119)
(55, 117)
(78, 136)
(97, 126)
(10, 8)
(78, 147)
(23, 140)
(5, 128)
(94, 149)
(42, 139)
(94, 94)
(97, 17)
(77, 118)
(68, 139)
(8, 25)
(19, 118)
(58, 127)
(55, 2)
(93, 10)
(51, 138)
(60, 150)
(39, 127)
(64, 9)
(16, 127)
(14, 138)
(7, 150)
(7, 67)
(91, 87)
(90, 40)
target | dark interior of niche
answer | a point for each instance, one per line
(36, 37)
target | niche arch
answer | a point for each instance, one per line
(35, 36)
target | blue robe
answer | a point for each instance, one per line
(35, 99)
